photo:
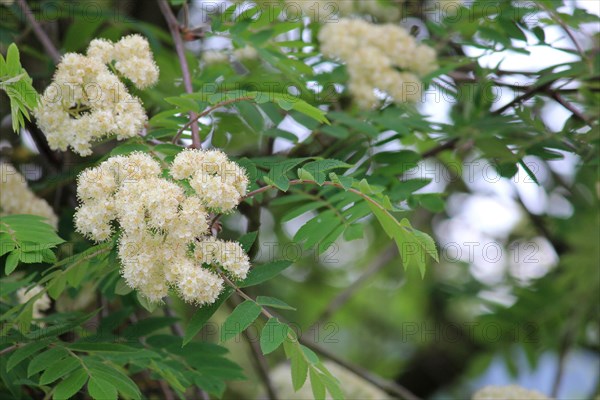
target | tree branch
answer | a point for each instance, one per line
(175, 29)
(565, 27)
(578, 114)
(39, 32)
(525, 96)
(8, 349)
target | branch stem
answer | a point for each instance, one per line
(39, 32)
(175, 30)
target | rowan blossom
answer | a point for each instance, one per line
(163, 225)
(330, 10)
(87, 101)
(42, 303)
(212, 57)
(17, 198)
(135, 61)
(384, 57)
(218, 182)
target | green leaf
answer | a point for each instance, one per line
(354, 232)
(431, 201)
(318, 168)
(273, 302)
(210, 385)
(93, 347)
(332, 384)
(70, 385)
(298, 211)
(272, 335)
(119, 380)
(184, 104)
(147, 304)
(202, 316)
(57, 286)
(247, 240)
(58, 370)
(317, 385)
(23, 352)
(12, 261)
(345, 181)
(129, 148)
(101, 389)
(411, 245)
(45, 360)
(122, 288)
(278, 172)
(262, 273)
(250, 114)
(79, 33)
(241, 318)
(299, 367)
(276, 132)
(6, 244)
(529, 172)
(168, 149)
(310, 355)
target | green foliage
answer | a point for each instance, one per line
(28, 239)
(17, 84)
(241, 318)
(304, 362)
(322, 172)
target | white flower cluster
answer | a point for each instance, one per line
(219, 182)
(165, 241)
(87, 101)
(42, 303)
(132, 56)
(511, 392)
(384, 57)
(329, 10)
(212, 57)
(17, 198)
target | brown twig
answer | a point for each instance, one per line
(525, 96)
(8, 349)
(39, 32)
(565, 27)
(578, 114)
(205, 113)
(450, 144)
(175, 30)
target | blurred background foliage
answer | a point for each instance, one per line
(499, 163)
